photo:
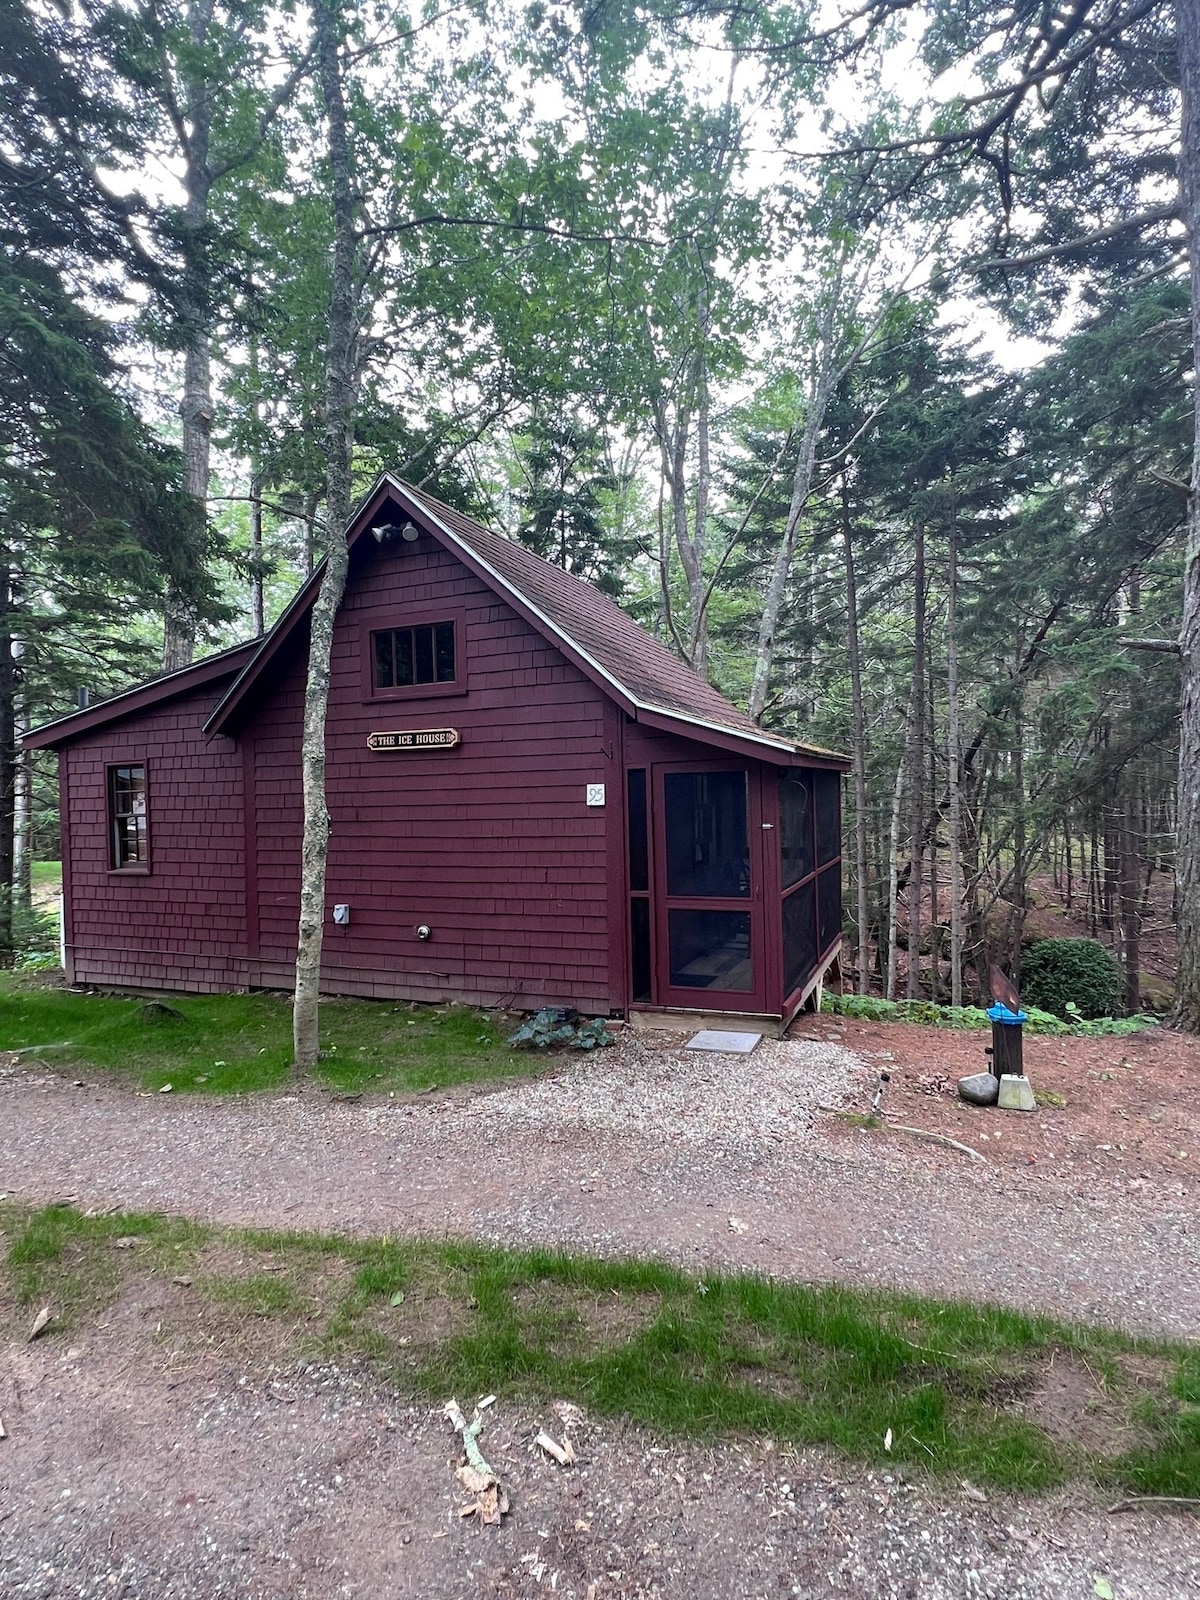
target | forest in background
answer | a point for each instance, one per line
(854, 355)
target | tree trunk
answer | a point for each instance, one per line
(22, 815)
(674, 438)
(1131, 911)
(1020, 863)
(311, 501)
(954, 777)
(8, 765)
(195, 315)
(1186, 1012)
(935, 944)
(916, 796)
(894, 860)
(697, 587)
(257, 608)
(341, 383)
(781, 568)
(889, 985)
(858, 750)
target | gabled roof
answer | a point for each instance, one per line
(628, 664)
(225, 664)
(609, 647)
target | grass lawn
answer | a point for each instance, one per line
(952, 1388)
(238, 1043)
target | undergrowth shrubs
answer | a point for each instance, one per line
(1071, 977)
(871, 1009)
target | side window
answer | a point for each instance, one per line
(405, 658)
(128, 819)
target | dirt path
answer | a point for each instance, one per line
(650, 1150)
(129, 1471)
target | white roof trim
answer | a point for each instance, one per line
(642, 705)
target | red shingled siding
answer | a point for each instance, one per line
(181, 925)
(490, 844)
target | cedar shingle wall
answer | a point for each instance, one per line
(489, 844)
(181, 926)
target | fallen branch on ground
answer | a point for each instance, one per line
(563, 1453)
(939, 1138)
(475, 1475)
(917, 1133)
(1141, 1502)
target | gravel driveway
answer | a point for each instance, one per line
(647, 1149)
(129, 1473)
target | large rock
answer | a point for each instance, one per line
(980, 1089)
(1016, 1094)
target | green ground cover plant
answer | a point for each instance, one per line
(239, 1043)
(951, 1387)
(930, 1015)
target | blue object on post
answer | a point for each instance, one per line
(999, 1013)
(1006, 1051)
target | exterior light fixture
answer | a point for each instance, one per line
(408, 531)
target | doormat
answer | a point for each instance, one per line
(737, 1044)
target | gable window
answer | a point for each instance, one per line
(405, 658)
(128, 823)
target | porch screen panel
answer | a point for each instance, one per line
(829, 906)
(795, 826)
(710, 950)
(799, 936)
(828, 788)
(641, 946)
(639, 838)
(708, 849)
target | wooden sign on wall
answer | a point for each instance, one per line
(414, 739)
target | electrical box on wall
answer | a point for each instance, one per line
(595, 794)
(341, 915)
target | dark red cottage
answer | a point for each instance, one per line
(532, 802)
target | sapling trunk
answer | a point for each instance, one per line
(341, 381)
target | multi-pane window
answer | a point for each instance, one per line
(128, 830)
(403, 658)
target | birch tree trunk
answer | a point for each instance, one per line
(1186, 1011)
(858, 751)
(781, 568)
(953, 779)
(341, 386)
(688, 525)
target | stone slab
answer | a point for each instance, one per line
(735, 1044)
(1016, 1094)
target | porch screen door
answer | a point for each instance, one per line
(709, 900)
